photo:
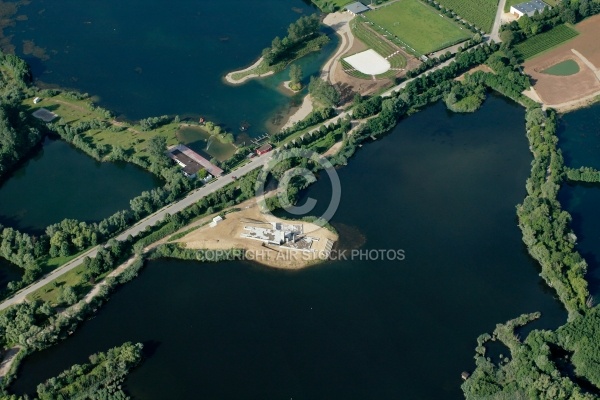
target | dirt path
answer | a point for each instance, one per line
(340, 22)
(588, 63)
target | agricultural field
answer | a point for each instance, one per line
(569, 85)
(545, 41)
(417, 25)
(481, 12)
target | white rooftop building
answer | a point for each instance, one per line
(529, 8)
(356, 8)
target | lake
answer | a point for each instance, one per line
(9, 272)
(581, 201)
(442, 187)
(61, 182)
(579, 137)
(579, 140)
(146, 59)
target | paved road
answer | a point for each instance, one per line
(21, 294)
(495, 34)
(190, 199)
(140, 226)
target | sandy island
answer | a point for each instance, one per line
(229, 77)
(227, 234)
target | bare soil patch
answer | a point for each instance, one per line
(481, 67)
(587, 42)
(562, 89)
(227, 234)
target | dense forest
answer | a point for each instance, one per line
(17, 134)
(99, 379)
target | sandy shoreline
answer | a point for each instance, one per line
(302, 112)
(229, 77)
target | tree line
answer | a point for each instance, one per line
(305, 27)
(99, 379)
(18, 136)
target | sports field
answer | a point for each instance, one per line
(418, 25)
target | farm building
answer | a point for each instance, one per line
(264, 149)
(529, 8)
(190, 167)
(357, 8)
(192, 162)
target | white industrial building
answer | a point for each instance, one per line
(529, 8)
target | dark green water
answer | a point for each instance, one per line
(579, 140)
(582, 203)
(579, 137)
(62, 182)
(164, 57)
(204, 144)
(8, 272)
(443, 188)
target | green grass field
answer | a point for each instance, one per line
(479, 12)
(545, 41)
(418, 25)
(131, 139)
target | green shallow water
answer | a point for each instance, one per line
(443, 188)
(565, 68)
(206, 145)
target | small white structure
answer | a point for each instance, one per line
(215, 221)
(369, 62)
(37, 100)
(278, 234)
(207, 179)
(528, 8)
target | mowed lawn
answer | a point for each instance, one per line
(418, 25)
